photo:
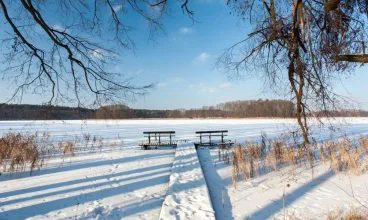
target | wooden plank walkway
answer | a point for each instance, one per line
(187, 196)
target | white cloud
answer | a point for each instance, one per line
(170, 81)
(117, 8)
(59, 28)
(196, 85)
(139, 72)
(202, 57)
(133, 72)
(155, 11)
(185, 30)
(224, 85)
(202, 87)
(176, 79)
(207, 90)
(98, 54)
(161, 84)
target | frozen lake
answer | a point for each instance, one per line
(130, 131)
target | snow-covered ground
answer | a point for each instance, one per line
(306, 197)
(130, 183)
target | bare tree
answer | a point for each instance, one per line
(64, 48)
(300, 42)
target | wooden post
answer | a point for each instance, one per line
(149, 138)
(170, 138)
(159, 139)
(200, 137)
(155, 137)
(210, 140)
(222, 137)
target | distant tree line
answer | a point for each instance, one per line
(343, 113)
(234, 109)
(240, 109)
(124, 112)
(44, 112)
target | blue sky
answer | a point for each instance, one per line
(182, 62)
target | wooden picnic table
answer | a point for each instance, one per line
(210, 134)
(157, 134)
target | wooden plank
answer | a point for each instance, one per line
(212, 135)
(157, 143)
(206, 144)
(160, 135)
(203, 132)
(158, 132)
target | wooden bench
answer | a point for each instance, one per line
(154, 139)
(211, 134)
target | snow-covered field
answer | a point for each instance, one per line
(306, 197)
(128, 183)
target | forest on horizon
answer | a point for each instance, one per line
(234, 109)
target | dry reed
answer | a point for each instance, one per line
(20, 152)
(351, 214)
(17, 151)
(250, 159)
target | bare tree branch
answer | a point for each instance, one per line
(299, 45)
(75, 54)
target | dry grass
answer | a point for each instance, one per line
(86, 138)
(100, 143)
(19, 152)
(67, 149)
(351, 214)
(364, 143)
(345, 155)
